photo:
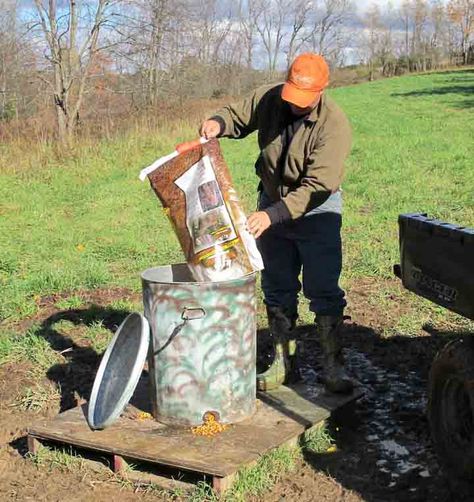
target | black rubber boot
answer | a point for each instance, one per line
(283, 367)
(335, 378)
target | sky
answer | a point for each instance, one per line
(363, 4)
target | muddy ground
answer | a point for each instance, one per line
(384, 452)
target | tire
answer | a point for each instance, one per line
(451, 407)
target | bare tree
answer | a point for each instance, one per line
(71, 33)
(415, 18)
(270, 19)
(329, 35)
(461, 14)
(246, 20)
(145, 52)
(420, 16)
(438, 40)
(9, 69)
(373, 24)
(405, 14)
(153, 39)
(159, 16)
(298, 31)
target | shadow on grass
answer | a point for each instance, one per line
(452, 85)
(467, 91)
(76, 376)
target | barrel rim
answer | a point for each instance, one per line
(194, 282)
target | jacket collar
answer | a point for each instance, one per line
(315, 114)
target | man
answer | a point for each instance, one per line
(304, 139)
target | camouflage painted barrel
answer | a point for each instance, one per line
(202, 355)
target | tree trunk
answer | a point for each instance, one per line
(63, 135)
(71, 60)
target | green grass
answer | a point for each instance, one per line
(37, 355)
(98, 335)
(317, 439)
(38, 397)
(55, 458)
(72, 302)
(255, 481)
(412, 152)
(125, 305)
(30, 347)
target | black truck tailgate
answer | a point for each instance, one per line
(437, 261)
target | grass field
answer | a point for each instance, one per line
(88, 222)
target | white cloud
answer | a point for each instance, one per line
(363, 4)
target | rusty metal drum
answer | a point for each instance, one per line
(202, 354)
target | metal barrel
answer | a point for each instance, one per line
(202, 356)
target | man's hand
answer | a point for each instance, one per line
(258, 222)
(210, 129)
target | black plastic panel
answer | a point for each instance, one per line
(437, 261)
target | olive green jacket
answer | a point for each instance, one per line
(314, 164)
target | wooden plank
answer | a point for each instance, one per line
(281, 416)
(153, 442)
(221, 485)
(289, 403)
(306, 405)
(118, 464)
(33, 445)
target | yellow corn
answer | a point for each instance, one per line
(210, 427)
(143, 415)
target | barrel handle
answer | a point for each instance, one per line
(188, 314)
(192, 313)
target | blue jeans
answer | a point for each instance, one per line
(312, 244)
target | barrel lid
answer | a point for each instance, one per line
(119, 371)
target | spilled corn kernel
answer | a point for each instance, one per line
(210, 427)
(143, 415)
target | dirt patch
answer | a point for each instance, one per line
(308, 485)
(22, 480)
(378, 304)
(13, 378)
(47, 305)
(384, 451)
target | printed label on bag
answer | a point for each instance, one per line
(207, 218)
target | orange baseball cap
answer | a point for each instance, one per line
(307, 77)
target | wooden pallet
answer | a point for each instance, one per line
(282, 417)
